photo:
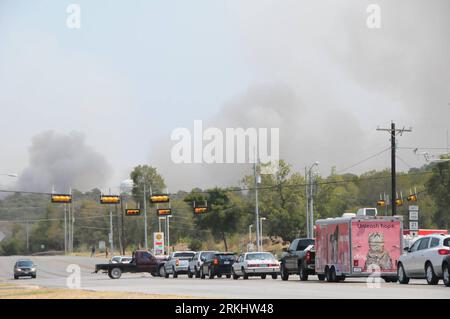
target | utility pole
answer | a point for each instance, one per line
(311, 216)
(256, 205)
(65, 228)
(307, 202)
(393, 132)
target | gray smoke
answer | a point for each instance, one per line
(64, 161)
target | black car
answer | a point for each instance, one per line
(24, 268)
(217, 264)
(446, 270)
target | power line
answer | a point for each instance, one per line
(364, 160)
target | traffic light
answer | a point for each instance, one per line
(164, 212)
(159, 198)
(412, 198)
(109, 199)
(200, 210)
(399, 202)
(381, 203)
(61, 198)
(132, 212)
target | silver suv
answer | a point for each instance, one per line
(424, 259)
(177, 263)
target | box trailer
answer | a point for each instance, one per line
(358, 246)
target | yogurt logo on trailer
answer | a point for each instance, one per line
(234, 145)
(73, 281)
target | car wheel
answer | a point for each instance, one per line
(161, 271)
(190, 275)
(116, 273)
(401, 274)
(235, 277)
(211, 274)
(321, 277)
(302, 272)
(33, 276)
(244, 275)
(166, 274)
(274, 276)
(174, 273)
(446, 275)
(263, 276)
(202, 274)
(284, 273)
(228, 276)
(16, 277)
(432, 279)
(219, 276)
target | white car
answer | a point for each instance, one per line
(196, 263)
(256, 264)
(120, 260)
(424, 259)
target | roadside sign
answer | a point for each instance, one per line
(101, 245)
(413, 215)
(413, 208)
(413, 225)
(158, 243)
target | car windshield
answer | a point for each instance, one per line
(25, 263)
(260, 256)
(183, 255)
(226, 256)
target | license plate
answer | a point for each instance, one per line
(263, 265)
(226, 262)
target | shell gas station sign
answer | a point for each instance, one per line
(158, 243)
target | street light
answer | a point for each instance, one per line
(249, 236)
(260, 224)
(309, 201)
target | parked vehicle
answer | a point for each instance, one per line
(178, 263)
(217, 264)
(424, 259)
(298, 259)
(256, 264)
(24, 268)
(142, 261)
(120, 259)
(196, 263)
(358, 246)
(446, 270)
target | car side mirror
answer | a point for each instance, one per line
(407, 249)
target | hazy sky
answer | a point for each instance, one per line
(117, 87)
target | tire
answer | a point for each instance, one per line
(228, 276)
(33, 276)
(166, 274)
(219, 276)
(244, 275)
(210, 274)
(197, 273)
(446, 275)
(321, 277)
(161, 271)
(340, 278)
(401, 274)
(235, 277)
(116, 273)
(174, 273)
(331, 275)
(432, 279)
(16, 277)
(190, 275)
(202, 275)
(275, 276)
(263, 276)
(302, 272)
(284, 273)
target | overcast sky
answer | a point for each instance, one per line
(81, 107)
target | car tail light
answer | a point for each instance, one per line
(355, 263)
(253, 265)
(308, 256)
(177, 262)
(216, 261)
(273, 265)
(444, 251)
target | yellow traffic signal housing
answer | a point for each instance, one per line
(159, 198)
(109, 199)
(132, 212)
(164, 212)
(200, 210)
(399, 202)
(61, 198)
(381, 203)
(412, 198)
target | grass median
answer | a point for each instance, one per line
(13, 291)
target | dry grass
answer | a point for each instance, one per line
(11, 291)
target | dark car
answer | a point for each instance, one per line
(217, 264)
(445, 270)
(24, 268)
(298, 259)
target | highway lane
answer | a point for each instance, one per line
(52, 273)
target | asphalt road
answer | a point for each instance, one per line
(52, 273)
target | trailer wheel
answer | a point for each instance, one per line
(115, 273)
(321, 277)
(331, 274)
